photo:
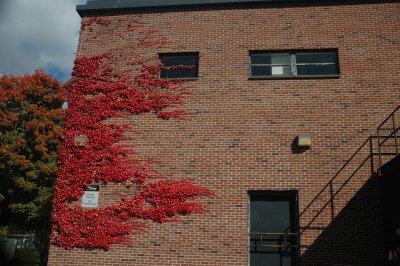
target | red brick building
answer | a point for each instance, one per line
(270, 74)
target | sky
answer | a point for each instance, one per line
(39, 34)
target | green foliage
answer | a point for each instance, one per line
(25, 257)
(4, 230)
(30, 134)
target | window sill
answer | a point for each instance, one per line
(296, 77)
(180, 79)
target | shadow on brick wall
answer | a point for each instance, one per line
(355, 236)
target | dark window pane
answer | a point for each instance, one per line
(179, 66)
(180, 73)
(179, 60)
(259, 59)
(163, 73)
(262, 259)
(317, 70)
(268, 59)
(316, 58)
(269, 216)
(257, 71)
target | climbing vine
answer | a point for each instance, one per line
(99, 92)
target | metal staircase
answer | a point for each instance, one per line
(373, 153)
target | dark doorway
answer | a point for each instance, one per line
(273, 228)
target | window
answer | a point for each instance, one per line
(294, 64)
(179, 66)
(273, 228)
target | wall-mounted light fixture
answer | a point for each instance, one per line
(304, 141)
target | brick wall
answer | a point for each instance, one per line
(241, 136)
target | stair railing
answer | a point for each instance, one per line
(391, 135)
(380, 141)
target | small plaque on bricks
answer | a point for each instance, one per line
(80, 141)
(90, 198)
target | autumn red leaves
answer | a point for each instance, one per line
(98, 91)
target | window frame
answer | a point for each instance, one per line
(293, 64)
(177, 55)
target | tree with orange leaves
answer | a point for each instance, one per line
(30, 135)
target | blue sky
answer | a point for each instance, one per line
(38, 34)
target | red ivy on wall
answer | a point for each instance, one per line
(98, 92)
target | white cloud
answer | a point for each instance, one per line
(38, 34)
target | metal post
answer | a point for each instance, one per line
(395, 135)
(379, 147)
(332, 205)
(371, 153)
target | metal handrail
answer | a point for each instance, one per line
(287, 237)
(273, 233)
(394, 129)
(339, 189)
(388, 117)
(330, 183)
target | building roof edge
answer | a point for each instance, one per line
(98, 5)
(107, 5)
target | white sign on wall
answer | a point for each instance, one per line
(90, 198)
